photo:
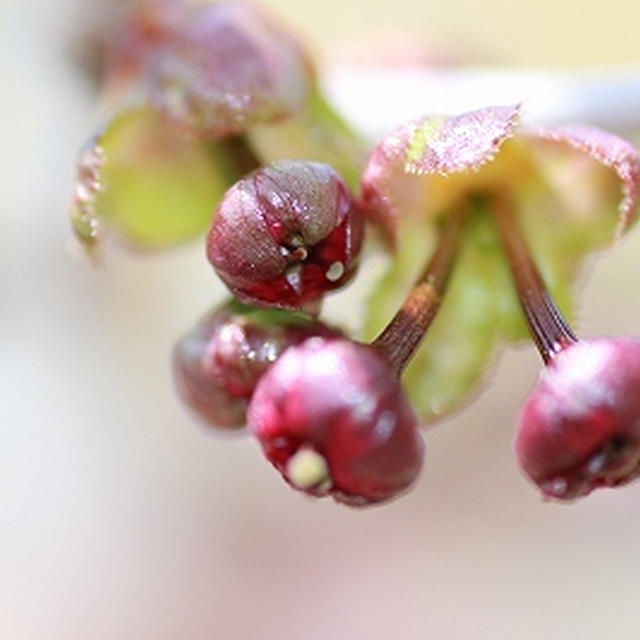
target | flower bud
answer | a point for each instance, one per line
(580, 427)
(285, 235)
(228, 68)
(219, 362)
(333, 419)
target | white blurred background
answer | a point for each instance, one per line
(120, 519)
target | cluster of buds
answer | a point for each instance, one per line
(486, 221)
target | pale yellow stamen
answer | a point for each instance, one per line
(307, 468)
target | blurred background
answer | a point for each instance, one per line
(120, 518)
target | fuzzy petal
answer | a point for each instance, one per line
(571, 188)
(404, 173)
(583, 196)
(610, 154)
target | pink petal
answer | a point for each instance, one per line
(431, 146)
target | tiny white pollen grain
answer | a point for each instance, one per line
(335, 272)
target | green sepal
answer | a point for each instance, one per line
(266, 317)
(480, 307)
(158, 187)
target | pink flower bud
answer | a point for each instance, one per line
(333, 419)
(285, 235)
(219, 362)
(229, 67)
(580, 427)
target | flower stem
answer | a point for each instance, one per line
(400, 338)
(548, 327)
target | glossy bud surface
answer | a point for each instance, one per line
(333, 420)
(219, 362)
(580, 427)
(285, 235)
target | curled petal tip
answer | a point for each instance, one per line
(609, 150)
(440, 145)
(432, 146)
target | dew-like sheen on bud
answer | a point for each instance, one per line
(218, 363)
(285, 235)
(229, 67)
(333, 419)
(580, 427)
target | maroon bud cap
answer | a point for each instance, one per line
(285, 235)
(219, 362)
(229, 67)
(333, 419)
(580, 427)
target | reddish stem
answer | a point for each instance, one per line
(548, 327)
(401, 337)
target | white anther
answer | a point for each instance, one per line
(335, 272)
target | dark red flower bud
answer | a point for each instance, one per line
(333, 419)
(285, 235)
(229, 67)
(580, 427)
(219, 362)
